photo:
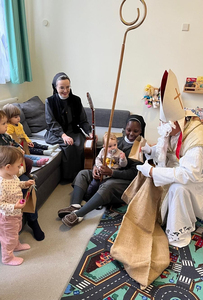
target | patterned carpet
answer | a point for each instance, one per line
(99, 277)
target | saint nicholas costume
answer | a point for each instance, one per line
(172, 195)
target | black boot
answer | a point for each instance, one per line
(37, 232)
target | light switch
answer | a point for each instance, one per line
(185, 27)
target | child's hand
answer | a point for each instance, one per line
(29, 182)
(122, 155)
(19, 205)
(31, 144)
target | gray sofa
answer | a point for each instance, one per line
(33, 120)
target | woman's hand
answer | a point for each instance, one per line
(104, 170)
(67, 139)
(96, 173)
(31, 144)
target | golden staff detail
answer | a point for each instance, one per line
(133, 26)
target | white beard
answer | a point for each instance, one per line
(162, 144)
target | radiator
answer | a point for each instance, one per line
(9, 100)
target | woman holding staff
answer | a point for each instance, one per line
(111, 190)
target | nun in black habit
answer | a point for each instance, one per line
(65, 115)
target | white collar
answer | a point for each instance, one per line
(127, 140)
(62, 98)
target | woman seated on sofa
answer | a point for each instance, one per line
(111, 190)
(64, 115)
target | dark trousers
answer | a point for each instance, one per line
(38, 149)
(92, 188)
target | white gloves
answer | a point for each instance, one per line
(145, 169)
(146, 149)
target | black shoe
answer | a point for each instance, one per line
(37, 232)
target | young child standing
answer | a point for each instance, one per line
(14, 126)
(10, 204)
(115, 159)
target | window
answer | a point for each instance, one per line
(4, 61)
(16, 56)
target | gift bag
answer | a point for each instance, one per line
(136, 153)
(22, 142)
(141, 244)
(31, 200)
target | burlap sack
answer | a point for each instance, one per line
(133, 188)
(135, 152)
(141, 244)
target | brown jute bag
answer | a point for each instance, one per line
(136, 153)
(22, 142)
(141, 244)
(31, 200)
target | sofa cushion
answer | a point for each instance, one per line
(34, 111)
(23, 121)
(102, 117)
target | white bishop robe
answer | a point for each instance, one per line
(183, 201)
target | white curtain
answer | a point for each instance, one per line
(4, 60)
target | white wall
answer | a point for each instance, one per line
(84, 38)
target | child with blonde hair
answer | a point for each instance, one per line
(10, 204)
(15, 127)
(115, 159)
